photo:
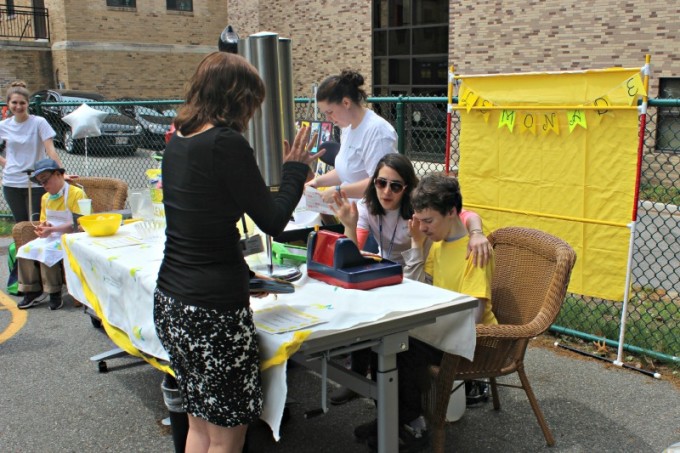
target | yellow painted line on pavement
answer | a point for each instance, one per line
(18, 317)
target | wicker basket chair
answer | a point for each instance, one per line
(528, 287)
(107, 194)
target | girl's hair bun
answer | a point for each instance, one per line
(352, 77)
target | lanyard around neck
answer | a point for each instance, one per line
(394, 232)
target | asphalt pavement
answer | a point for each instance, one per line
(54, 399)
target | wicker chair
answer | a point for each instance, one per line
(107, 194)
(529, 285)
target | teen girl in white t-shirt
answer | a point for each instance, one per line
(365, 138)
(28, 139)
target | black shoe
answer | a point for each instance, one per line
(367, 430)
(476, 392)
(31, 299)
(409, 441)
(56, 302)
(342, 395)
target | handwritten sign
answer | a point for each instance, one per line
(315, 203)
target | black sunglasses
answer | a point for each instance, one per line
(395, 186)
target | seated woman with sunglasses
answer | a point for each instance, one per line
(385, 211)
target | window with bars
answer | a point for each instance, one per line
(122, 3)
(410, 47)
(180, 5)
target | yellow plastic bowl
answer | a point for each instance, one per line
(101, 224)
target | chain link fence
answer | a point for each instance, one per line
(653, 326)
(131, 141)
(653, 318)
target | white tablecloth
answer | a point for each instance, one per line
(118, 284)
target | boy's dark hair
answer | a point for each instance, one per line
(439, 192)
(403, 166)
(348, 84)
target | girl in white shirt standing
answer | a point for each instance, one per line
(365, 138)
(28, 139)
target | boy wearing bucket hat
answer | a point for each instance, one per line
(40, 260)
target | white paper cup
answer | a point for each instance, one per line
(85, 206)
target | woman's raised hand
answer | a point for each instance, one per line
(344, 210)
(299, 152)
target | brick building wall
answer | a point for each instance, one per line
(500, 36)
(149, 51)
(327, 35)
(146, 51)
(27, 61)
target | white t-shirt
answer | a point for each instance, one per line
(24, 147)
(389, 230)
(361, 148)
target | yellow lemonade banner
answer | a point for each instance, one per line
(567, 170)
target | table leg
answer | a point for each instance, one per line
(387, 379)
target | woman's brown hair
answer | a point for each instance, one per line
(346, 85)
(18, 87)
(225, 90)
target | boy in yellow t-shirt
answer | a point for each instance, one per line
(436, 201)
(39, 261)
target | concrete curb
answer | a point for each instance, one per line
(661, 207)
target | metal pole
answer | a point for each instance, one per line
(286, 83)
(400, 125)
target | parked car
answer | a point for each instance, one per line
(154, 119)
(119, 132)
(168, 135)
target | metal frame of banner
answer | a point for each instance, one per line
(634, 216)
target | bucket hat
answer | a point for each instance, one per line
(45, 165)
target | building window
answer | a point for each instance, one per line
(668, 118)
(410, 47)
(180, 5)
(10, 8)
(122, 3)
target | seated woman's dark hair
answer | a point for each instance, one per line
(225, 90)
(346, 85)
(403, 166)
(438, 192)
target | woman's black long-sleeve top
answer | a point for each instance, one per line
(209, 181)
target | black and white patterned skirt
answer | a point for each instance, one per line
(215, 358)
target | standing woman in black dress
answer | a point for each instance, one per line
(201, 303)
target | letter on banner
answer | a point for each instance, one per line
(603, 101)
(634, 88)
(487, 113)
(507, 119)
(528, 123)
(470, 100)
(551, 123)
(467, 98)
(576, 118)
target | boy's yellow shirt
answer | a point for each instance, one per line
(449, 269)
(75, 193)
